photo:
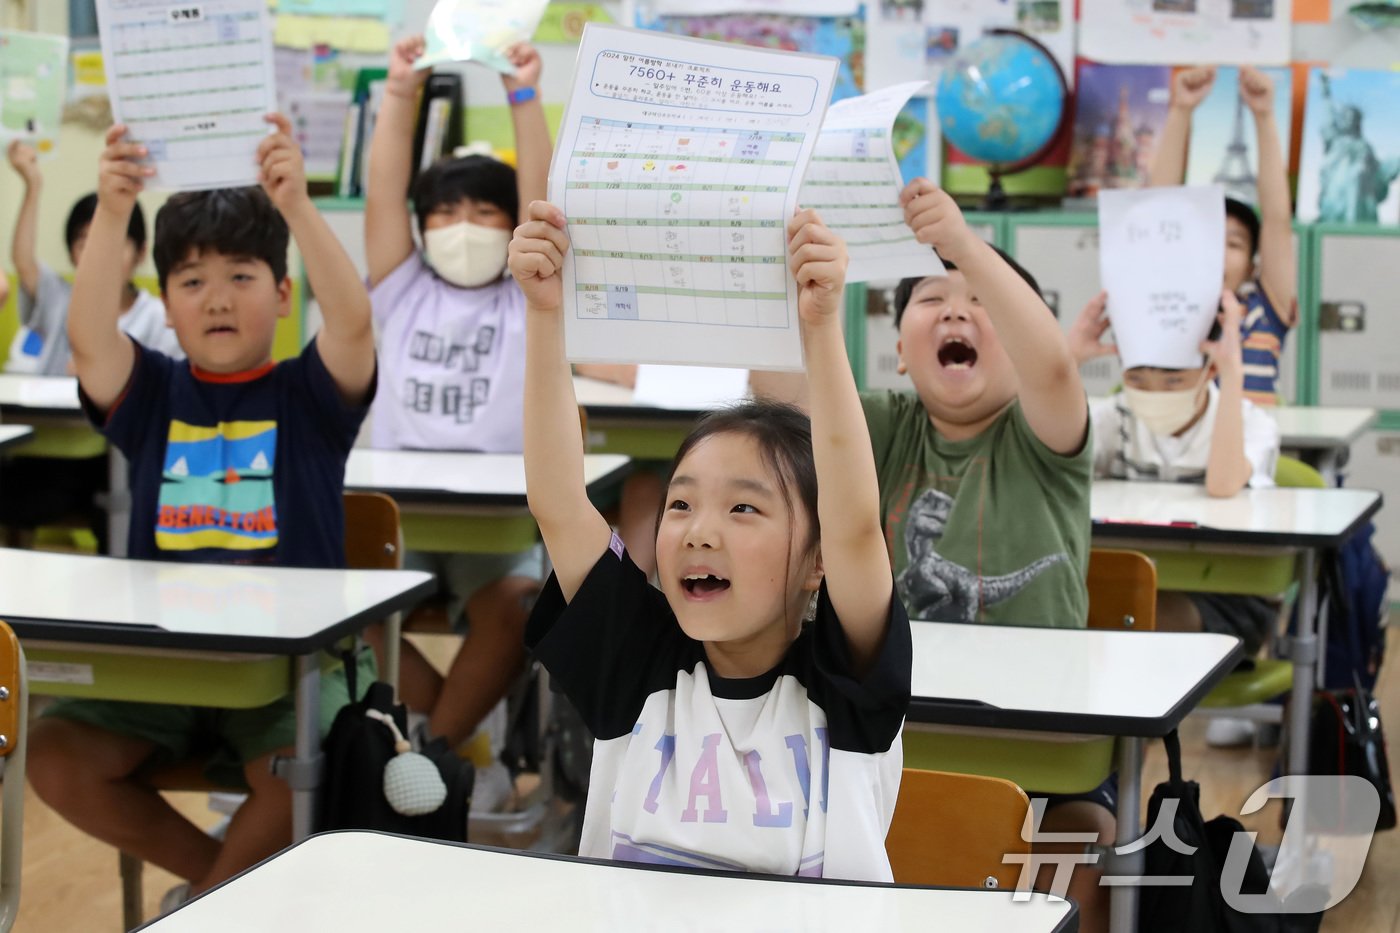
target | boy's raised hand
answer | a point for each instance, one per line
(936, 220)
(1190, 86)
(120, 173)
(282, 173)
(536, 256)
(526, 60)
(1085, 337)
(25, 161)
(1257, 89)
(817, 258)
(1226, 352)
(403, 80)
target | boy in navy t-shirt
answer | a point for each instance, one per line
(233, 459)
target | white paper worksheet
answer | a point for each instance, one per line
(1161, 263)
(854, 183)
(192, 81)
(678, 164)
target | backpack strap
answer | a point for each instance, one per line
(1172, 742)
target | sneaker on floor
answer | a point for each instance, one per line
(1227, 732)
(174, 897)
(492, 790)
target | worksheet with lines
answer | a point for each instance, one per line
(853, 182)
(192, 82)
(678, 164)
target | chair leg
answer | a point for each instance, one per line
(132, 906)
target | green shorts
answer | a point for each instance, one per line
(226, 739)
(459, 576)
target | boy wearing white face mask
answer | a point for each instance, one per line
(451, 327)
(1177, 425)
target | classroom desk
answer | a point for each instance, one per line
(159, 631)
(1130, 685)
(373, 882)
(619, 426)
(50, 405)
(464, 502)
(12, 434)
(1322, 436)
(1177, 516)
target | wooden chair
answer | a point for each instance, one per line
(953, 829)
(14, 715)
(1122, 590)
(372, 542)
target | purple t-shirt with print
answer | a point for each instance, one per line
(452, 363)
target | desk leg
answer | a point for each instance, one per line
(1304, 657)
(304, 775)
(1123, 898)
(118, 502)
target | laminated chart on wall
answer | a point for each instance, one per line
(678, 165)
(853, 182)
(192, 82)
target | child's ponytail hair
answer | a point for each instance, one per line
(783, 433)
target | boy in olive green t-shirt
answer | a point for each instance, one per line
(984, 469)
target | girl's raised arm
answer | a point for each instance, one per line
(857, 566)
(573, 531)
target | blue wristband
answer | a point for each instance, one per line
(521, 95)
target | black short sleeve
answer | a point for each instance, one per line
(141, 405)
(864, 714)
(613, 645)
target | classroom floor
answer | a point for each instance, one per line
(70, 882)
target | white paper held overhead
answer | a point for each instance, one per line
(479, 31)
(678, 165)
(192, 83)
(853, 182)
(1162, 262)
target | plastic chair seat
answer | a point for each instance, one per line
(1270, 678)
(1064, 765)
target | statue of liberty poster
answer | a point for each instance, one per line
(1350, 161)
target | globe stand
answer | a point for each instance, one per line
(996, 199)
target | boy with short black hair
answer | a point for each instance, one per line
(44, 295)
(1260, 266)
(233, 459)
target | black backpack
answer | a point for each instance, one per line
(1199, 907)
(358, 748)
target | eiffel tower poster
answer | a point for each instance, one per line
(1223, 149)
(1237, 170)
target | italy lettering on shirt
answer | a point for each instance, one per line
(705, 786)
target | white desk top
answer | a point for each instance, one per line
(1065, 680)
(11, 434)
(1283, 517)
(609, 399)
(462, 478)
(49, 393)
(370, 882)
(1305, 428)
(597, 392)
(69, 597)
